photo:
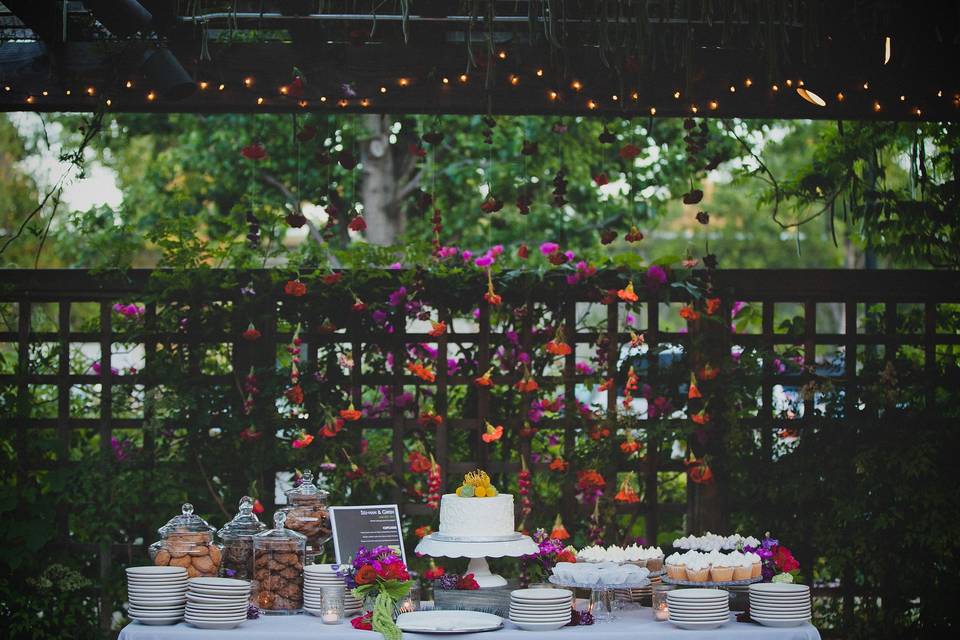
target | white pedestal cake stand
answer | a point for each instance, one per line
(478, 549)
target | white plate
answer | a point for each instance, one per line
(565, 598)
(541, 626)
(158, 582)
(439, 621)
(698, 618)
(698, 625)
(516, 618)
(157, 621)
(144, 603)
(156, 613)
(156, 570)
(210, 624)
(771, 622)
(239, 595)
(224, 583)
(777, 610)
(779, 588)
(785, 603)
(204, 599)
(698, 610)
(538, 594)
(203, 616)
(217, 611)
(544, 610)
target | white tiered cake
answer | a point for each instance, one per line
(476, 517)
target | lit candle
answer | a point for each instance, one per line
(330, 618)
(661, 612)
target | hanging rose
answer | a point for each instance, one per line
(689, 314)
(419, 463)
(295, 394)
(713, 305)
(526, 384)
(295, 288)
(703, 217)
(437, 329)
(350, 414)
(307, 133)
(332, 278)
(358, 305)
(693, 392)
(630, 446)
(346, 160)
(296, 86)
(558, 464)
(332, 427)
(634, 235)
(701, 418)
(491, 296)
(357, 224)
(601, 179)
(251, 334)
(698, 471)
(424, 373)
(485, 380)
(429, 419)
(693, 196)
(557, 346)
(629, 151)
(710, 261)
(295, 219)
(302, 441)
(559, 532)
(523, 203)
(491, 205)
(607, 236)
(689, 262)
(558, 258)
(523, 252)
(254, 151)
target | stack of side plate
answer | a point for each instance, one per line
(317, 577)
(698, 608)
(217, 603)
(540, 609)
(157, 595)
(774, 604)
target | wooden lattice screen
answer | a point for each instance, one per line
(835, 307)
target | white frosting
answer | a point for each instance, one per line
(674, 559)
(476, 517)
(633, 553)
(713, 542)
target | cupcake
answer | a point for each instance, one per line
(742, 566)
(654, 559)
(698, 571)
(721, 570)
(755, 565)
(676, 569)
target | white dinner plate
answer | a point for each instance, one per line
(779, 588)
(206, 616)
(198, 597)
(155, 571)
(156, 581)
(157, 621)
(679, 609)
(145, 603)
(539, 603)
(698, 618)
(779, 602)
(537, 593)
(697, 625)
(217, 610)
(778, 622)
(156, 612)
(212, 624)
(541, 626)
(775, 609)
(516, 618)
(239, 595)
(439, 621)
(541, 610)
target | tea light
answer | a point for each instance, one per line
(332, 609)
(659, 601)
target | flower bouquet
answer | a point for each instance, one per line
(379, 573)
(550, 552)
(777, 563)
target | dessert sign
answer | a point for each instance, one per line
(370, 526)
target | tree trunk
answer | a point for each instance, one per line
(378, 190)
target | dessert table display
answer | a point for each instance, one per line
(603, 579)
(635, 624)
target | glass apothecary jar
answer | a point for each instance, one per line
(187, 541)
(307, 514)
(237, 539)
(278, 556)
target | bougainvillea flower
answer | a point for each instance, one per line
(629, 151)
(634, 235)
(491, 205)
(601, 179)
(689, 314)
(492, 433)
(254, 151)
(548, 247)
(627, 294)
(423, 532)
(656, 277)
(703, 217)
(437, 329)
(357, 224)
(350, 414)
(701, 417)
(422, 372)
(713, 305)
(607, 236)
(251, 334)
(295, 288)
(558, 464)
(331, 428)
(485, 380)
(693, 196)
(346, 160)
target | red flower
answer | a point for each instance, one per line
(699, 472)
(416, 150)
(784, 559)
(332, 278)
(257, 507)
(422, 372)
(713, 305)
(701, 418)
(629, 151)
(366, 575)
(493, 298)
(491, 205)
(492, 434)
(419, 463)
(601, 179)
(689, 314)
(332, 428)
(359, 305)
(364, 622)
(634, 235)
(429, 419)
(607, 236)
(558, 464)
(295, 288)
(351, 414)
(566, 556)
(527, 385)
(558, 348)
(434, 574)
(254, 151)
(627, 494)
(630, 446)
(559, 532)
(249, 434)
(627, 294)
(295, 88)
(423, 532)
(357, 224)
(251, 334)
(437, 329)
(693, 196)
(708, 372)
(467, 582)
(295, 394)
(485, 380)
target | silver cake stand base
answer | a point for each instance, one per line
(437, 545)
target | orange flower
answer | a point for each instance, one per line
(491, 296)
(636, 339)
(627, 493)
(694, 392)
(485, 380)
(558, 464)
(627, 294)
(332, 428)
(423, 532)
(493, 433)
(295, 288)
(701, 418)
(708, 372)
(366, 575)
(351, 414)
(698, 471)
(422, 372)
(605, 385)
(559, 532)
(713, 305)
(689, 314)
(437, 329)
(429, 419)
(527, 385)
(303, 441)
(630, 446)
(598, 433)
(558, 348)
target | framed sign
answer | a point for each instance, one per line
(370, 526)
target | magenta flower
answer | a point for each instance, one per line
(570, 255)
(496, 250)
(397, 297)
(548, 247)
(584, 369)
(656, 277)
(447, 252)
(466, 255)
(484, 261)
(396, 266)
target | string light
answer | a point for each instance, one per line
(45, 93)
(260, 100)
(840, 96)
(6, 88)
(693, 108)
(284, 90)
(31, 99)
(248, 82)
(204, 85)
(502, 55)
(713, 104)
(514, 79)
(445, 80)
(303, 103)
(576, 85)
(876, 106)
(614, 97)
(323, 98)
(811, 97)
(383, 89)
(463, 78)
(151, 96)
(903, 98)
(775, 88)
(635, 96)
(69, 92)
(866, 86)
(403, 82)
(676, 95)
(109, 102)
(342, 103)
(365, 102)
(789, 82)
(939, 93)
(653, 111)
(748, 82)
(552, 95)
(733, 89)
(221, 87)
(591, 105)
(128, 84)
(917, 112)
(887, 49)
(539, 73)
(91, 91)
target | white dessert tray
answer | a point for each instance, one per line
(690, 583)
(599, 586)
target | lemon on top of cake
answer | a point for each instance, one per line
(476, 484)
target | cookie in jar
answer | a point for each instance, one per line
(187, 541)
(278, 556)
(307, 513)
(237, 539)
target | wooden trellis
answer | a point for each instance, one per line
(848, 292)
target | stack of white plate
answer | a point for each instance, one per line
(157, 595)
(316, 578)
(698, 608)
(217, 603)
(780, 605)
(540, 609)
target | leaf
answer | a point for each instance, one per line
(382, 620)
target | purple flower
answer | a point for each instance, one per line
(656, 277)
(328, 467)
(396, 266)
(466, 255)
(447, 252)
(548, 247)
(584, 369)
(484, 261)
(379, 316)
(397, 297)
(736, 308)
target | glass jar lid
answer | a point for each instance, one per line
(279, 532)
(306, 490)
(186, 522)
(244, 524)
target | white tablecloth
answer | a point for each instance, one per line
(628, 626)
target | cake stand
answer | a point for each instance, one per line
(478, 549)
